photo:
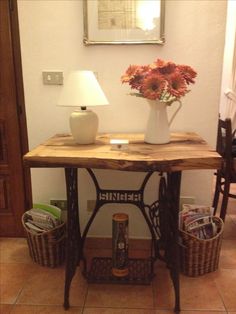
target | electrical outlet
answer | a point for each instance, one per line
(62, 204)
(186, 200)
(91, 205)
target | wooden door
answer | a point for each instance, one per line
(15, 191)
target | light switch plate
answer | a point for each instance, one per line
(52, 78)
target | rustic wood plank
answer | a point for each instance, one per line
(186, 151)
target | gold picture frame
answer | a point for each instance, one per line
(112, 22)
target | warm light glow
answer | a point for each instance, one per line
(147, 14)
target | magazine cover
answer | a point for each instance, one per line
(197, 220)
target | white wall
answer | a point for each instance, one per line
(51, 39)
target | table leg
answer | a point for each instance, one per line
(172, 248)
(73, 253)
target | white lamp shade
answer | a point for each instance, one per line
(81, 89)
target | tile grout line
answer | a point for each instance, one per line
(153, 295)
(85, 299)
(24, 284)
(221, 297)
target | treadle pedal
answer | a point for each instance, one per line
(140, 272)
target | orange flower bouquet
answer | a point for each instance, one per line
(161, 80)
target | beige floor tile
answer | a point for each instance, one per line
(193, 295)
(120, 296)
(200, 294)
(5, 308)
(116, 311)
(191, 312)
(14, 250)
(13, 278)
(46, 287)
(40, 309)
(163, 291)
(233, 216)
(199, 312)
(228, 254)
(165, 312)
(141, 311)
(231, 209)
(226, 283)
(229, 228)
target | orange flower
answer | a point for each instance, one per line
(153, 86)
(176, 85)
(163, 67)
(188, 73)
(129, 74)
(137, 80)
(161, 80)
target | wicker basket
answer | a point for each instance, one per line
(47, 248)
(199, 256)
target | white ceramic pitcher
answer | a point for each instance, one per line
(158, 126)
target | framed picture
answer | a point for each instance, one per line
(123, 22)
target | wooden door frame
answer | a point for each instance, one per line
(20, 100)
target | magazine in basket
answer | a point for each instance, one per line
(42, 218)
(197, 220)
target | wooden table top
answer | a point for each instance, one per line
(185, 151)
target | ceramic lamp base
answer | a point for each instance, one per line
(84, 126)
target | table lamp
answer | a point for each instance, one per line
(81, 89)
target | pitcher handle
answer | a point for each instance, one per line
(176, 111)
